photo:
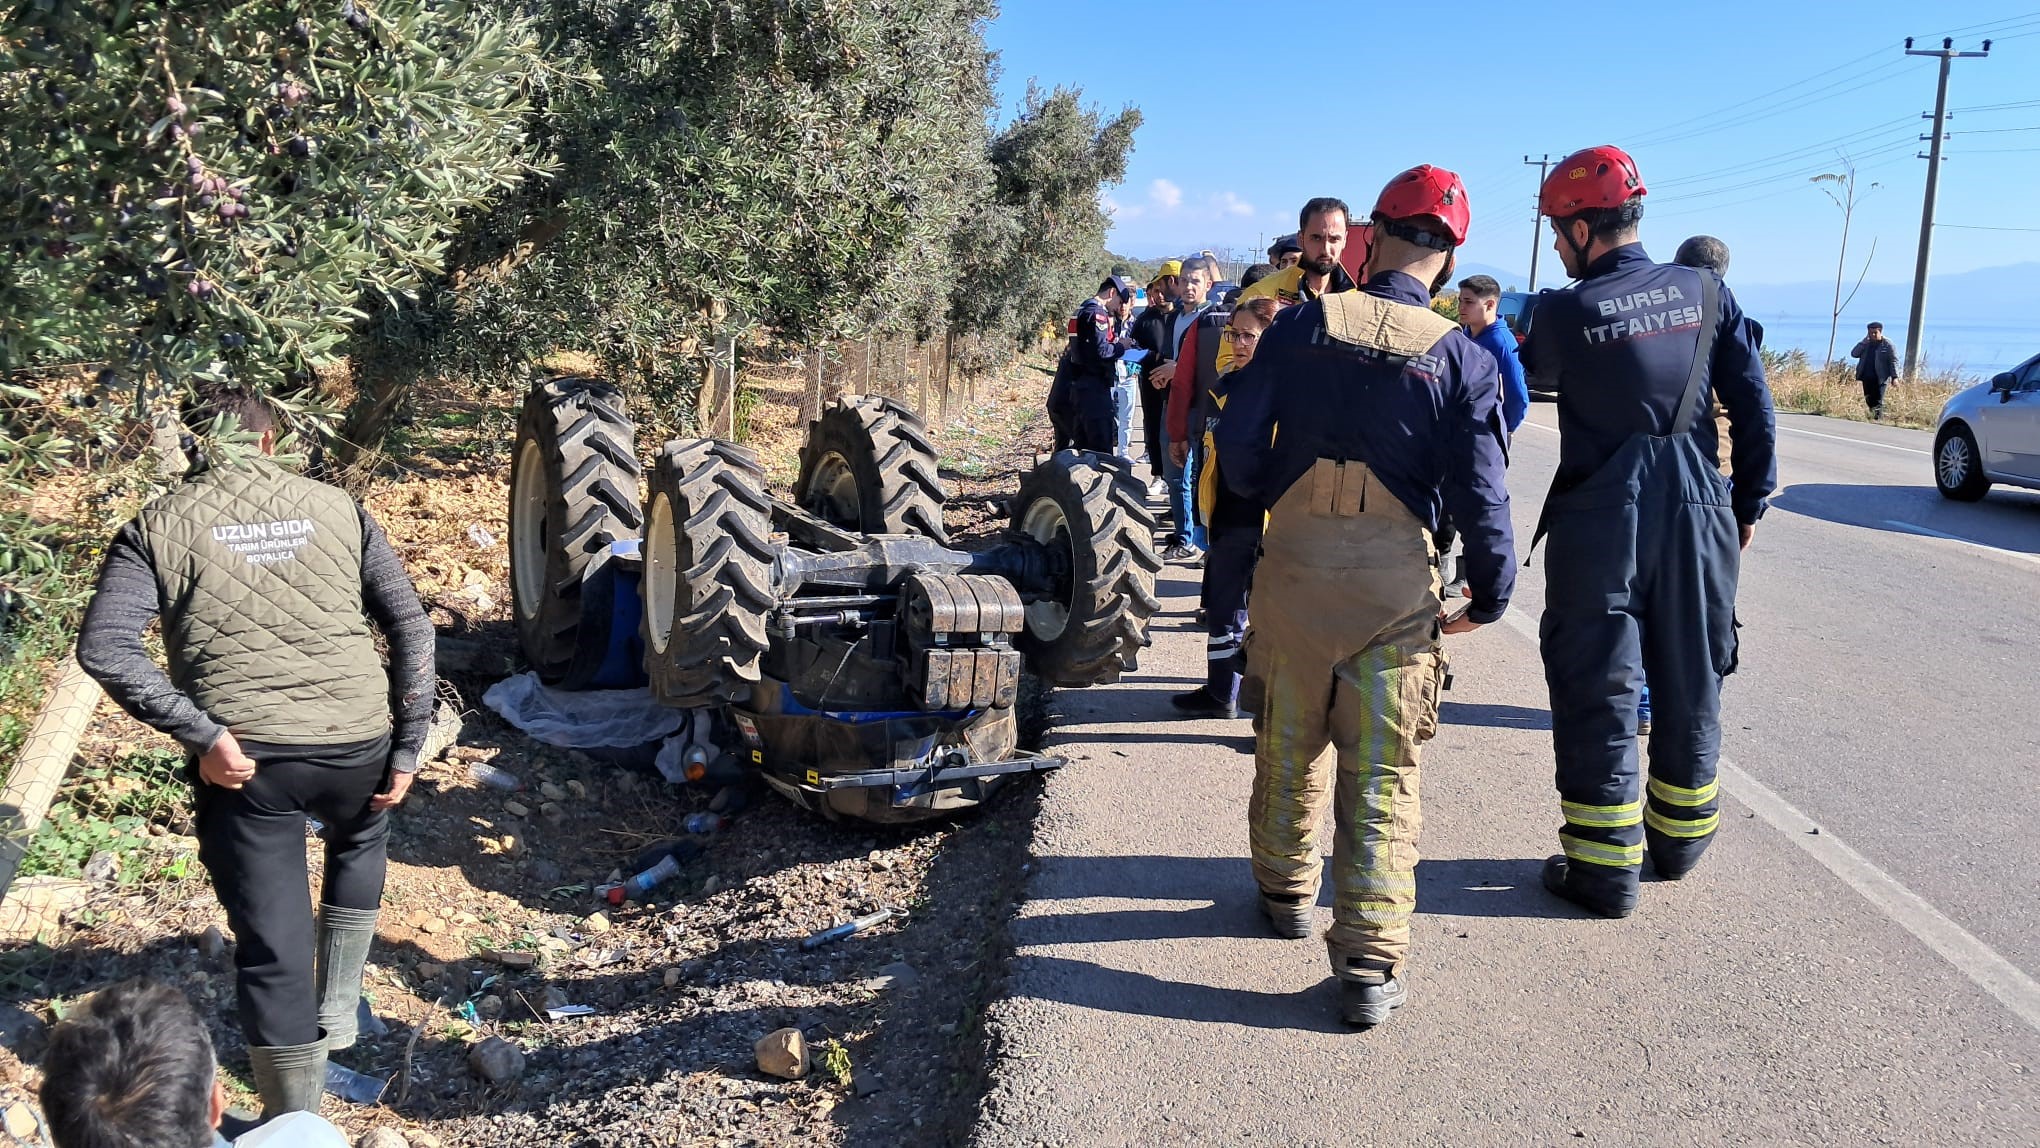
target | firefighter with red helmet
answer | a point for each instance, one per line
(1642, 535)
(1361, 418)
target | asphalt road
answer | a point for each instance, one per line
(1855, 963)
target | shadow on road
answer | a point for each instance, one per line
(1094, 986)
(2008, 518)
(1494, 716)
(1488, 887)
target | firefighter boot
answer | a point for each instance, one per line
(1368, 993)
(1293, 916)
(344, 939)
(289, 1079)
(1612, 899)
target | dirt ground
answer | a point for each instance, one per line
(491, 918)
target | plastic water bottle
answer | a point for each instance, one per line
(703, 822)
(636, 887)
(495, 778)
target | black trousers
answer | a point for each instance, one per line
(1873, 394)
(1154, 409)
(252, 841)
(1097, 422)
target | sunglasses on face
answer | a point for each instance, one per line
(1239, 336)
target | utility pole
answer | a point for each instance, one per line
(1543, 165)
(1915, 334)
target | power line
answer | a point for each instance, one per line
(1883, 74)
(1801, 171)
(1794, 156)
(1993, 131)
(1979, 227)
(1787, 189)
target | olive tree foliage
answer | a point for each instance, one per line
(207, 189)
(795, 164)
(1036, 245)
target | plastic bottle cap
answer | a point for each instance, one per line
(616, 895)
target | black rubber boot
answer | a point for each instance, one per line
(1293, 918)
(1200, 703)
(1368, 994)
(344, 939)
(1607, 898)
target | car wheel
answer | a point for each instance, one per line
(1958, 467)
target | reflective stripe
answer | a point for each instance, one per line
(1679, 795)
(1215, 653)
(1382, 881)
(1389, 918)
(1599, 853)
(1672, 827)
(1602, 816)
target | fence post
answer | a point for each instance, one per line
(867, 362)
(812, 408)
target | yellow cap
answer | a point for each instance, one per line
(1169, 267)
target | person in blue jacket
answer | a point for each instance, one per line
(1363, 415)
(1479, 300)
(1644, 535)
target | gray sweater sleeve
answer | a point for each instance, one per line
(127, 600)
(110, 647)
(393, 605)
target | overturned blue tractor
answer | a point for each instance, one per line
(860, 664)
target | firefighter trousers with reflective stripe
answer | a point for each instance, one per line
(1346, 645)
(1640, 562)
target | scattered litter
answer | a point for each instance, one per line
(511, 958)
(702, 823)
(467, 1012)
(603, 958)
(684, 756)
(855, 925)
(481, 537)
(568, 1012)
(366, 1022)
(495, 778)
(582, 719)
(354, 1087)
(637, 887)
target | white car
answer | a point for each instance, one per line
(1990, 433)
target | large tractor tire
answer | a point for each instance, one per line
(573, 491)
(868, 466)
(1090, 511)
(708, 572)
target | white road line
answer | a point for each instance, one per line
(1974, 959)
(1855, 441)
(1916, 528)
(1795, 430)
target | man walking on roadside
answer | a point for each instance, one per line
(1362, 415)
(267, 584)
(1876, 365)
(1644, 535)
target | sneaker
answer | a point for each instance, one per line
(1452, 591)
(1367, 999)
(1180, 552)
(1201, 556)
(1157, 488)
(1292, 917)
(1612, 901)
(1200, 703)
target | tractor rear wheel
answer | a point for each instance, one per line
(1091, 514)
(708, 556)
(868, 466)
(573, 492)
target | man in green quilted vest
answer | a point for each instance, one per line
(266, 583)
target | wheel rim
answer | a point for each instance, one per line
(529, 500)
(1954, 462)
(1046, 523)
(832, 492)
(662, 571)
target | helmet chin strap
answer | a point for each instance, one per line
(1444, 275)
(1579, 250)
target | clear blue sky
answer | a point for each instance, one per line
(1251, 108)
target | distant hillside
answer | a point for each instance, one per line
(1986, 295)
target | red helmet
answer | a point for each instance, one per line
(1427, 190)
(1593, 177)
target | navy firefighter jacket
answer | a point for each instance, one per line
(1429, 427)
(1095, 345)
(1620, 343)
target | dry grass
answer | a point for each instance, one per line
(1836, 394)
